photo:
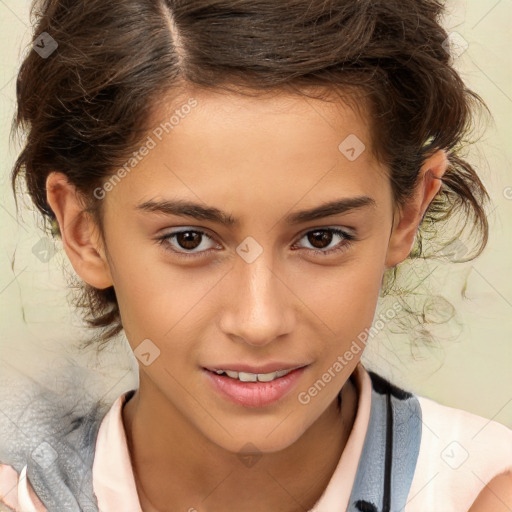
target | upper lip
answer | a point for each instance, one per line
(266, 368)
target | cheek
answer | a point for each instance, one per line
(157, 299)
(345, 297)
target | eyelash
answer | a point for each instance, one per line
(349, 239)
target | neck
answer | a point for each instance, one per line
(177, 468)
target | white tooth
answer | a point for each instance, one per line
(247, 377)
(253, 377)
(266, 377)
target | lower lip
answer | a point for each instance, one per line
(254, 394)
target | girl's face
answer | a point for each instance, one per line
(276, 285)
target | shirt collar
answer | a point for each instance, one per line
(113, 480)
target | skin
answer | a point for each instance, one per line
(496, 496)
(258, 159)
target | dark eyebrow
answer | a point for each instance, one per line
(331, 208)
(188, 209)
(197, 211)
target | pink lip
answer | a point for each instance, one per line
(254, 394)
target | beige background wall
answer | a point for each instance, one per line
(472, 371)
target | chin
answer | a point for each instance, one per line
(269, 436)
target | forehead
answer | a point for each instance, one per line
(209, 143)
(320, 108)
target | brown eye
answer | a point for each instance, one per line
(188, 239)
(319, 239)
(189, 242)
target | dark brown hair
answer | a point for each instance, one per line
(86, 107)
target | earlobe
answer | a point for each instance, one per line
(408, 219)
(79, 232)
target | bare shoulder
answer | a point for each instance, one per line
(496, 496)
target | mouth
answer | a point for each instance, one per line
(255, 376)
(252, 389)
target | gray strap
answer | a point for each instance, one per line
(390, 451)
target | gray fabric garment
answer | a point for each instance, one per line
(397, 414)
(55, 436)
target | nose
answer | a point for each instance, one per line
(260, 306)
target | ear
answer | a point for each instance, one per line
(407, 221)
(80, 235)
